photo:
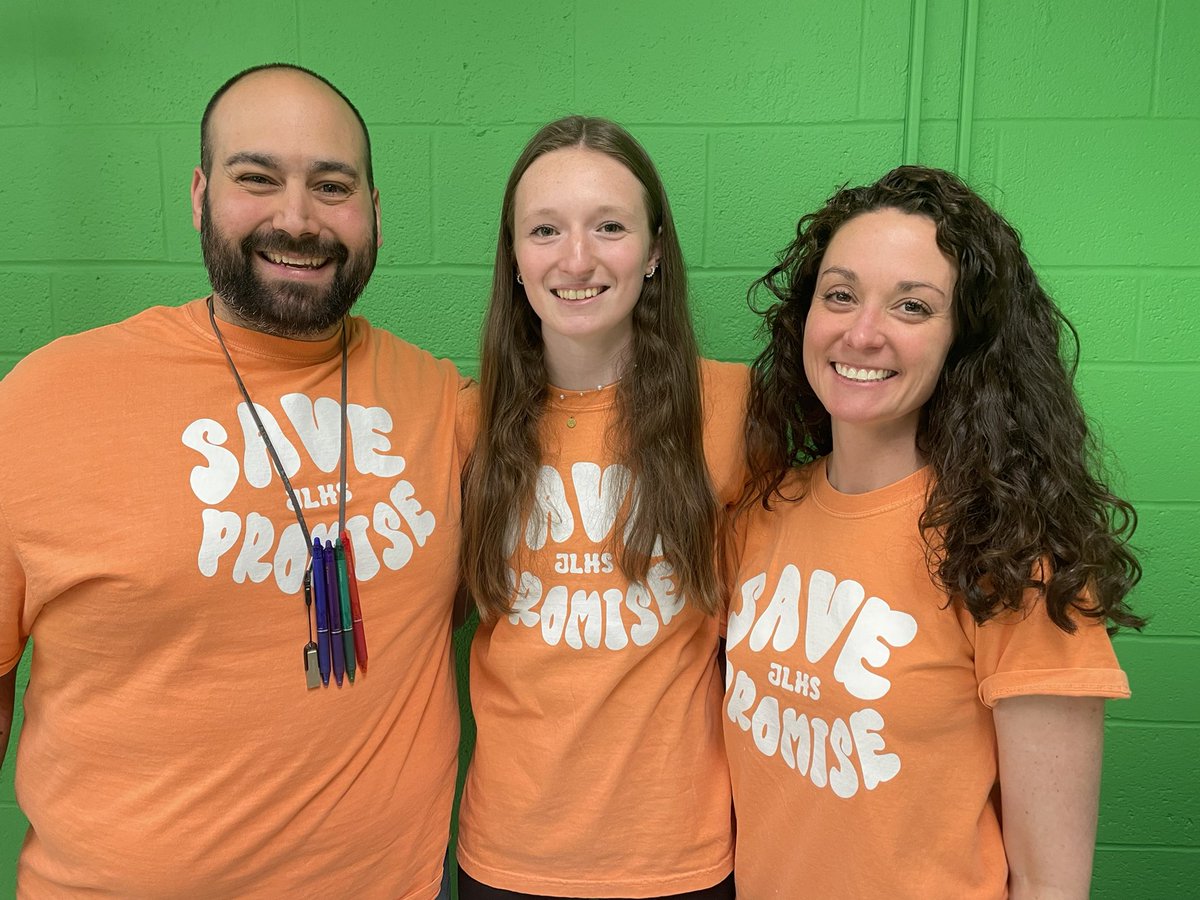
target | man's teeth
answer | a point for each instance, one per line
(301, 262)
(585, 294)
(862, 374)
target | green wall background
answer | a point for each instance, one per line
(1079, 119)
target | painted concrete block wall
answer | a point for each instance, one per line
(1080, 119)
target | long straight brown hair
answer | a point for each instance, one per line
(657, 432)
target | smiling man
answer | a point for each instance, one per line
(231, 530)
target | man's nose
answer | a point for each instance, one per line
(295, 212)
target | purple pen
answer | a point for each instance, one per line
(334, 612)
(321, 605)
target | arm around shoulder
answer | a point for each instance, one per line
(1050, 752)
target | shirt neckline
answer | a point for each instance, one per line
(911, 488)
(248, 342)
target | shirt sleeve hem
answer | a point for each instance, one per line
(1111, 683)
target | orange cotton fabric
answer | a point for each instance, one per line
(170, 747)
(857, 711)
(598, 768)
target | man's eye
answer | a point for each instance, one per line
(254, 179)
(333, 188)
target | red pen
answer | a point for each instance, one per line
(360, 636)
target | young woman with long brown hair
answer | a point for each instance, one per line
(606, 450)
(917, 653)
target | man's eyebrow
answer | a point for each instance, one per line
(255, 159)
(333, 165)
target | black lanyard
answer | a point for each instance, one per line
(337, 595)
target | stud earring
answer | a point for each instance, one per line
(520, 280)
(650, 274)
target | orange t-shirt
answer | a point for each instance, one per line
(858, 716)
(170, 746)
(598, 768)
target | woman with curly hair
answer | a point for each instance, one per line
(917, 652)
(606, 448)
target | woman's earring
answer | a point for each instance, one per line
(520, 280)
(650, 274)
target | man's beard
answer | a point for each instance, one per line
(294, 309)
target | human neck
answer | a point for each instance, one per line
(867, 459)
(584, 366)
(225, 314)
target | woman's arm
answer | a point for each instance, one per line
(1050, 753)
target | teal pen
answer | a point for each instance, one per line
(344, 596)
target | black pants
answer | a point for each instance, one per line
(470, 889)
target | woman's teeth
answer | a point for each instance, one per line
(585, 294)
(862, 374)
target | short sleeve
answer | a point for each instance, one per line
(12, 600)
(1026, 653)
(466, 422)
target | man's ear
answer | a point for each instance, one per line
(199, 186)
(378, 218)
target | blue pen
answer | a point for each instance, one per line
(318, 577)
(334, 613)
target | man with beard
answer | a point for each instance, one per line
(230, 529)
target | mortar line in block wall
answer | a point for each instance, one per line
(916, 74)
(1139, 312)
(1125, 636)
(162, 199)
(1125, 365)
(1160, 16)
(1142, 724)
(296, 19)
(862, 45)
(709, 218)
(966, 97)
(1147, 848)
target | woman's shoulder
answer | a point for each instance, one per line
(728, 375)
(724, 387)
(793, 491)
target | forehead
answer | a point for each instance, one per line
(578, 178)
(285, 114)
(891, 243)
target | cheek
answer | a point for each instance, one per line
(812, 347)
(526, 260)
(938, 354)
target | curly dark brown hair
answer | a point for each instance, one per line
(657, 431)
(1018, 500)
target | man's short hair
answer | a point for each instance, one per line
(206, 142)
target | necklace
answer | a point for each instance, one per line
(562, 395)
(341, 644)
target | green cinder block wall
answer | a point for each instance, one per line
(1079, 119)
